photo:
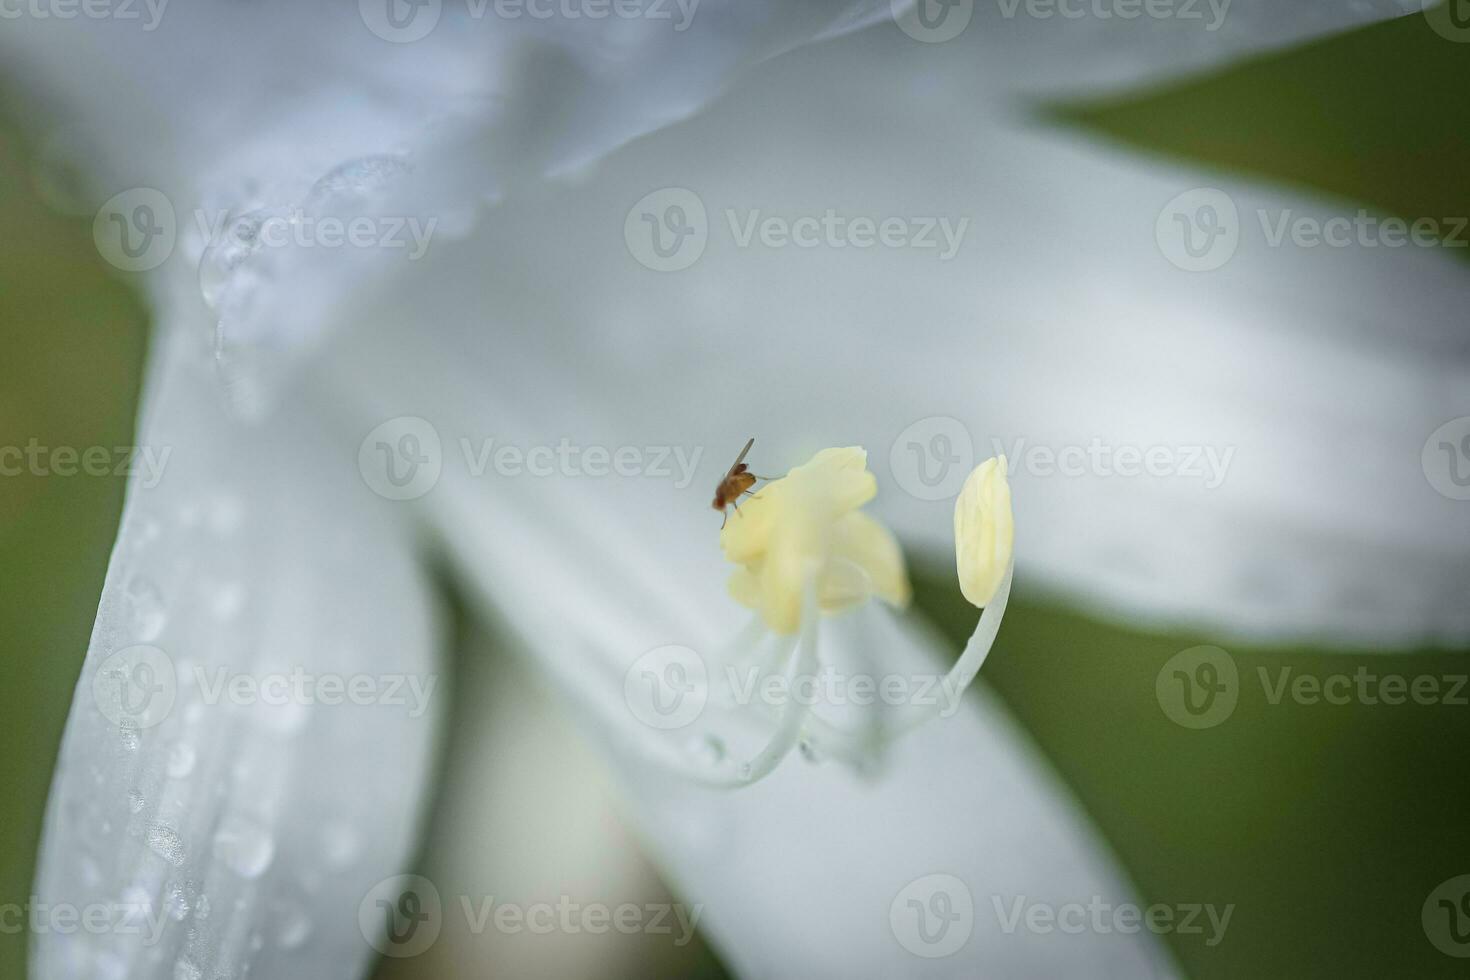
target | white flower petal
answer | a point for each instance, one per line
(1322, 373)
(213, 783)
(595, 572)
(235, 111)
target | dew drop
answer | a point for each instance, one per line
(176, 900)
(187, 970)
(244, 846)
(136, 801)
(227, 251)
(341, 844)
(361, 176)
(294, 926)
(110, 967)
(166, 843)
(809, 750)
(708, 750)
(225, 514)
(146, 614)
(226, 600)
(181, 758)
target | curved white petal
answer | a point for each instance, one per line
(300, 113)
(1315, 376)
(799, 874)
(1074, 48)
(251, 737)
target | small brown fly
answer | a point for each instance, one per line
(736, 482)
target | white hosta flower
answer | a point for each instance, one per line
(253, 831)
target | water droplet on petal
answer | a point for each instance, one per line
(293, 925)
(341, 844)
(186, 970)
(176, 900)
(358, 177)
(225, 514)
(708, 750)
(244, 846)
(146, 614)
(166, 843)
(136, 801)
(809, 750)
(181, 758)
(226, 600)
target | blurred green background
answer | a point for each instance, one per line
(1326, 826)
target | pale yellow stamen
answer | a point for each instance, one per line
(984, 534)
(807, 527)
